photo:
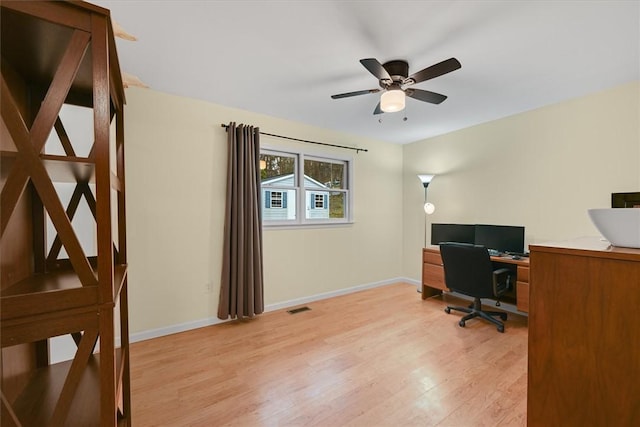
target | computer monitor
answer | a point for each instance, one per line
(503, 238)
(461, 233)
(625, 200)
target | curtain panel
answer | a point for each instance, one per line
(241, 291)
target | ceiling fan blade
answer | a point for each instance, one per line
(378, 110)
(375, 68)
(359, 92)
(436, 70)
(425, 95)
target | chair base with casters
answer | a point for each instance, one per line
(468, 270)
(475, 310)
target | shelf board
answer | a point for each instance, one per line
(44, 293)
(50, 292)
(36, 403)
(60, 168)
(30, 329)
(69, 169)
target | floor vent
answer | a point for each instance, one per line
(298, 310)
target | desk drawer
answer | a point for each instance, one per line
(522, 292)
(523, 274)
(433, 276)
(431, 258)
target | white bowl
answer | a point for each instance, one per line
(620, 226)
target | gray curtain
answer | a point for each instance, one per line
(241, 291)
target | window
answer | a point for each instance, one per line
(301, 189)
(319, 201)
(274, 199)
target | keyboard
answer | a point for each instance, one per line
(521, 254)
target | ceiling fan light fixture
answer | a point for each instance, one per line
(392, 100)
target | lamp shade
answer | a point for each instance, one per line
(425, 179)
(392, 101)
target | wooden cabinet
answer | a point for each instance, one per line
(58, 55)
(584, 335)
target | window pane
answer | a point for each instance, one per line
(326, 174)
(337, 203)
(278, 205)
(323, 204)
(277, 170)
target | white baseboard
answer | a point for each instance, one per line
(325, 295)
(415, 282)
(182, 327)
(173, 329)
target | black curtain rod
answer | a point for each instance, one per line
(357, 150)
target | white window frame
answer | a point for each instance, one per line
(301, 220)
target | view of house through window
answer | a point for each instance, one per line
(319, 201)
(276, 200)
(303, 189)
(278, 180)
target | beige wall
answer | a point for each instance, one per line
(542, 169)
(175, 166)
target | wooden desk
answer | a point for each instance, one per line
(584, 330)
(433, 277)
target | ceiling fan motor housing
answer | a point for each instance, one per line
(398, 70)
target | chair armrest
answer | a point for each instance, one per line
(501, 281)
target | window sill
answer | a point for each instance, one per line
(307, 225)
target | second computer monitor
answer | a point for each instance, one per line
(503, 238)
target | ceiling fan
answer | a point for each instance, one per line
(395, 82)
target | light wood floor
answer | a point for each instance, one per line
(380, 357)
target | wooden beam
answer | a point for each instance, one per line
(9, 417)
(120, 171)
(71, 211)
(78, 365)
(102, 123)
(64, 138)
(101, 146)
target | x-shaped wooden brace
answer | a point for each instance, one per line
(29, 144)
(85, 349)
(82, 189)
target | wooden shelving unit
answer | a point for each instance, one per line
(57, 53)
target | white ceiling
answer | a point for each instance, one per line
(286, 58)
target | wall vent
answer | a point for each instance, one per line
(298, 310)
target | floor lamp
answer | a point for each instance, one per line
(429, 208)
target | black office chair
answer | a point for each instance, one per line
(469, 271)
